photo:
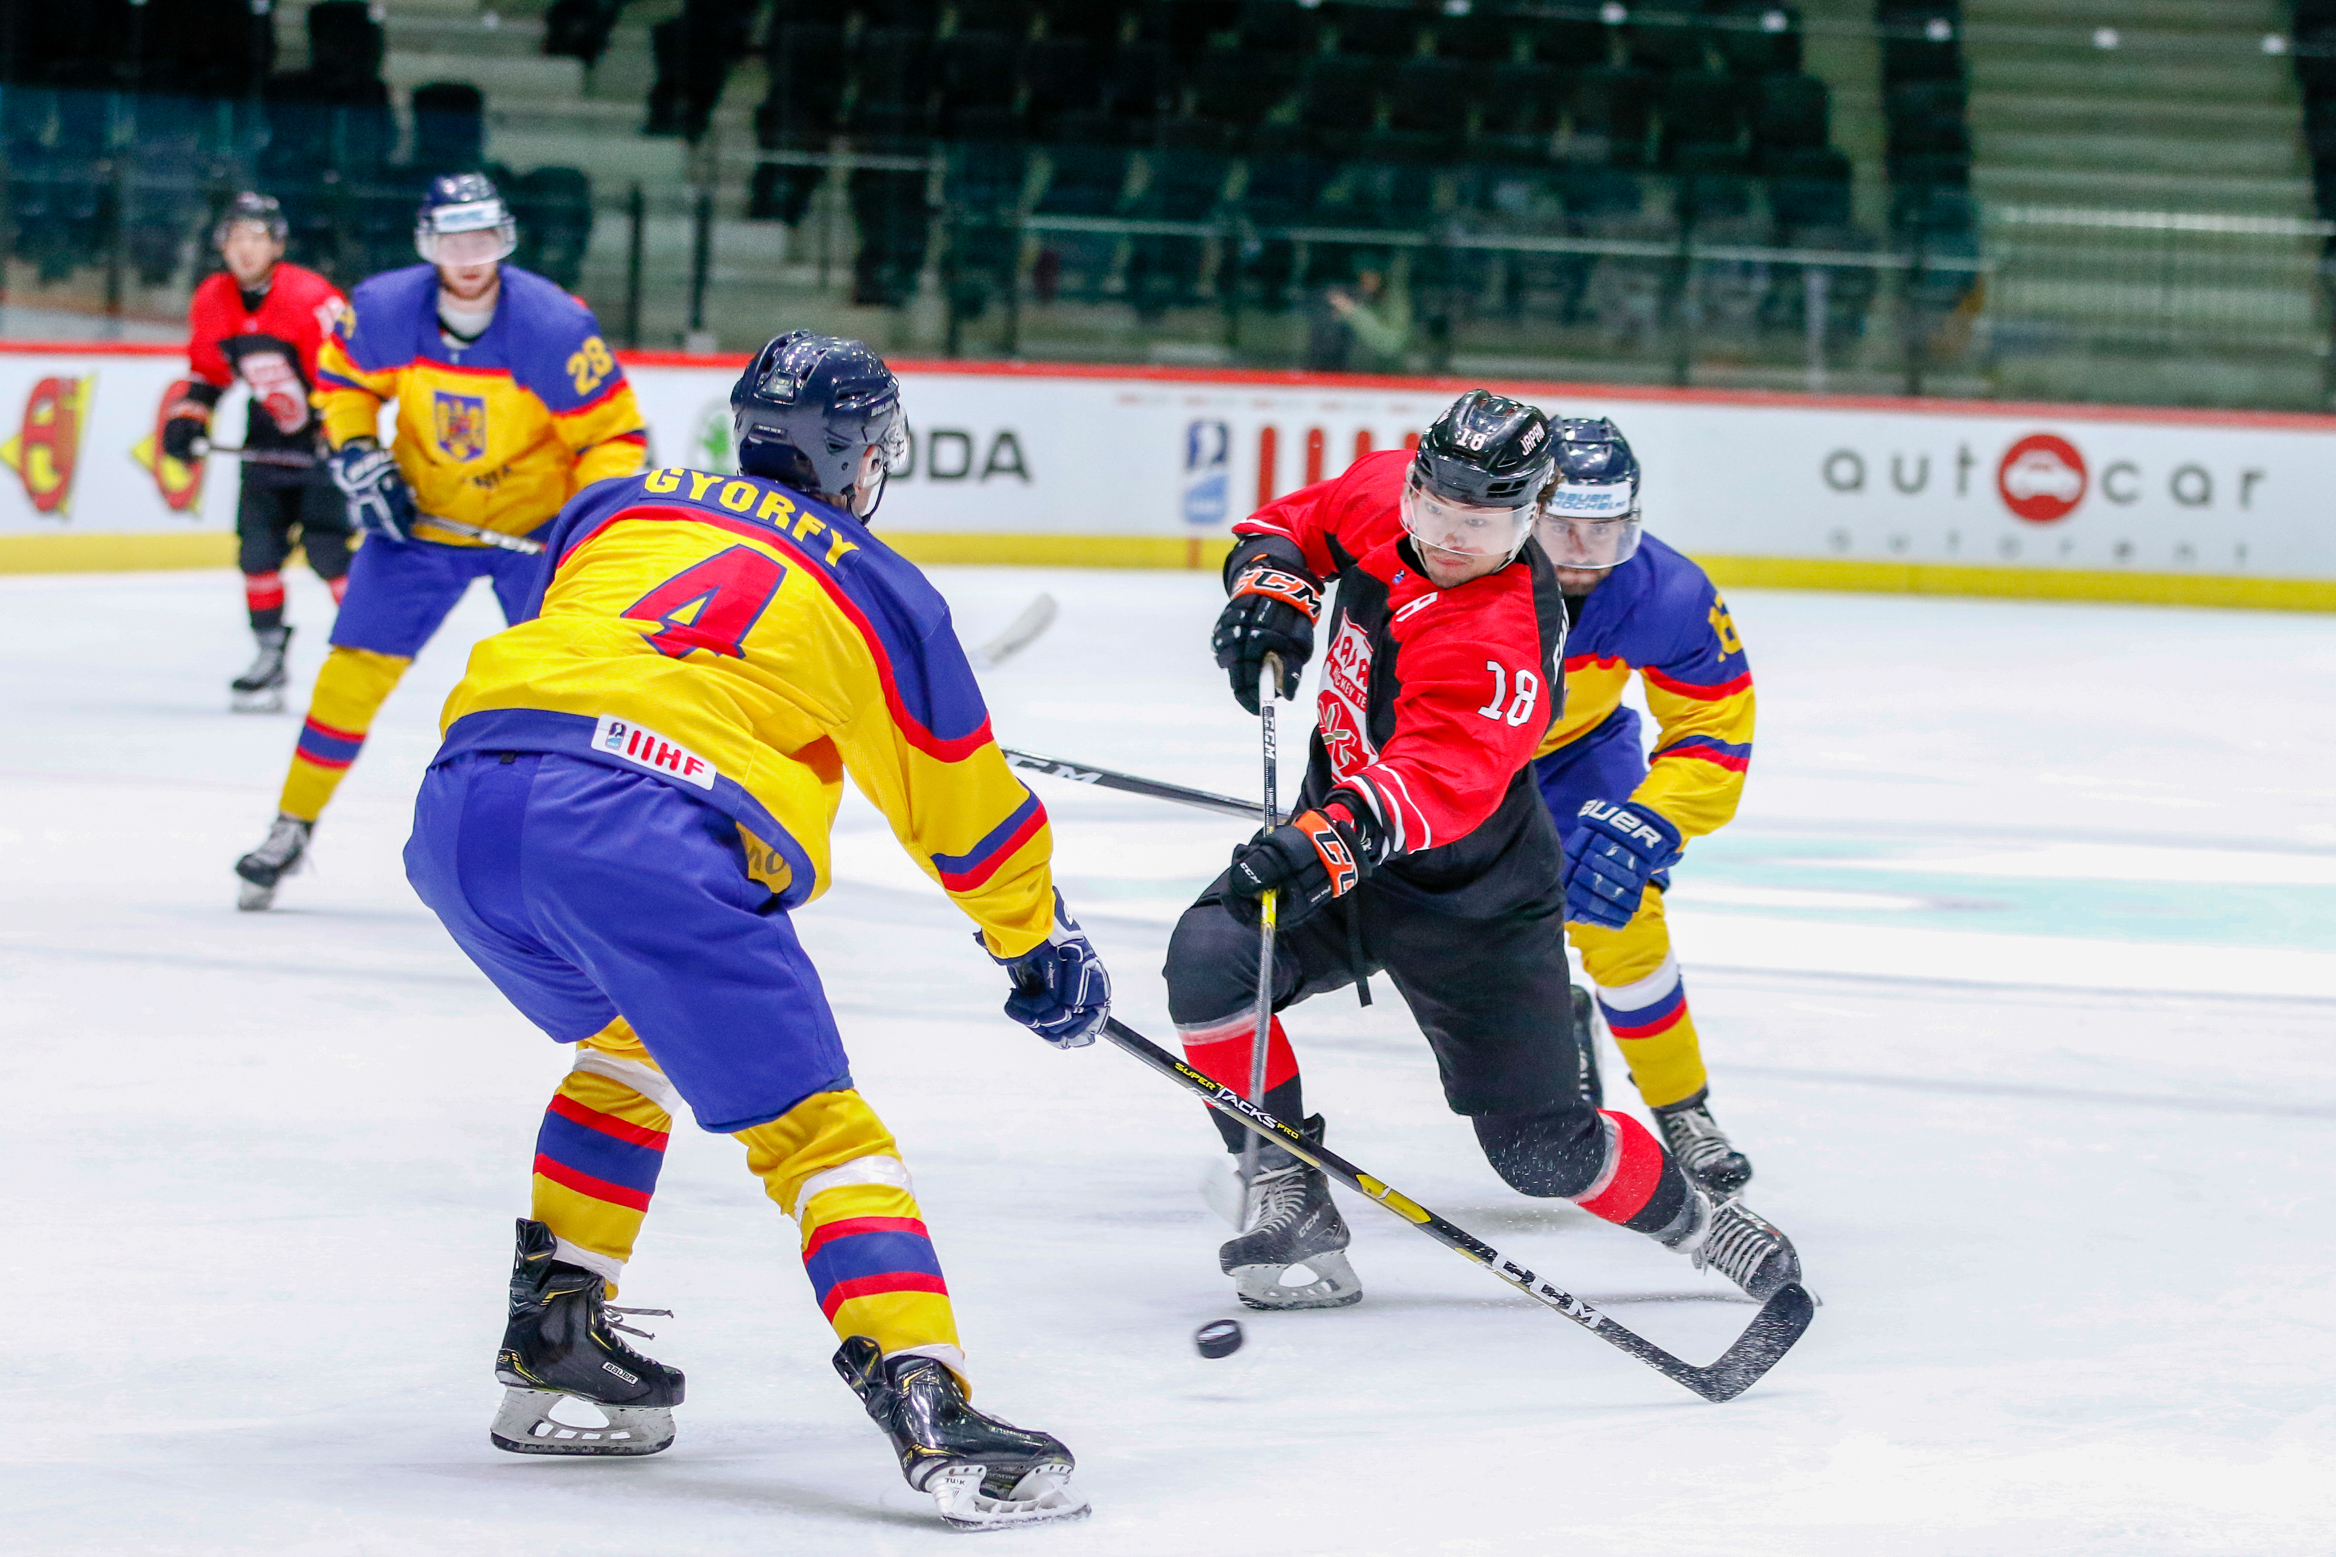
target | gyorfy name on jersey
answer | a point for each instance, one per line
(645, 748)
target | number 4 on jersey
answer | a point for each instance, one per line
(712, 606)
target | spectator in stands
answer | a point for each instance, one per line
(1365, 328)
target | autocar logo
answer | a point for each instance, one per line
(48, 444)
(2042, 478)
(180, 482)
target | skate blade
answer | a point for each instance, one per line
(1044, 1493)
(524, 1425)
(256, 702)
(1334, 1284)
(251, 897)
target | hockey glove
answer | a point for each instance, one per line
(1312, 858)
(1613, 852)
(375, 495)
(181, 433)
(1061, 991)
(1271, 611)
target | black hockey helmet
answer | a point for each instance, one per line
(457, 204)
(250, 206)
(1472, 485)
(811, 410)
(1590, 513)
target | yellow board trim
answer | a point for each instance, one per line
(1940, 578)
(133, 552)
(125, 552)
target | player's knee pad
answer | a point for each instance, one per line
(1212, 965)
(829, 1141)
(1554, 1152)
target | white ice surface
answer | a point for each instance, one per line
(2017, 978)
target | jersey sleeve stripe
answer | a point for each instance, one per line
(1705, 748)
(964, 872)
(1711, 694)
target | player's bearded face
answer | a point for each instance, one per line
(251, 251)
(469, 282)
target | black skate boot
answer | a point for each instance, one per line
(1593, 1090)
(1705, 1153)
(1739, 1243)
(260, 690)
(1291, 1221)
(982, 1473)
(559, 1344)
(271, 862)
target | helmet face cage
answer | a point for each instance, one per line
(1466, 529)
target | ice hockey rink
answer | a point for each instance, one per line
(2017, 977)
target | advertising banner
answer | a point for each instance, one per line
(1121, 466)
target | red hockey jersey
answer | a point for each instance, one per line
(272, 348)
(1433, 701)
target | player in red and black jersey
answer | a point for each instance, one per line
(262, 321)
(1421, 848)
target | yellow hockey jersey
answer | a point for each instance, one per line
(733, 636)
(500, 433)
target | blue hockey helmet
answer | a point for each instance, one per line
(463, 221)
(1590, 513)
(1472, 483)
(822, 414)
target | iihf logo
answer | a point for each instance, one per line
(645, 748)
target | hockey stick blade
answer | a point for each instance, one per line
(1024, 631)
(1130, 784)
(1771, 1334)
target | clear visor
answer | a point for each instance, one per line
(878, 460)
(473, 246)
(1468, 529)
(1589, 527)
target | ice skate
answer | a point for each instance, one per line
(1292, 1223)
(1705, 1153)
(260, 689)
(984, 1474)
(560, 1345)
(271, 862)
(1593, 1090)
(1739, 1243)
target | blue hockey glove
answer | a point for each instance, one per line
(1615, 850)
(374, 493)
(1061, 991)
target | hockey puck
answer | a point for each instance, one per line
(1218, 1338)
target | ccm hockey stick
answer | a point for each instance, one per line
(1128, 783)
(1269, 677)
(1770, 1335)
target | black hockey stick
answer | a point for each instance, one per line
(1770, 1335)
(288, 459)
(1104, 778)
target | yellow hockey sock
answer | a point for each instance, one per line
(1644, 1002)
(600, 1149)
(350, 690)
(830, 1163)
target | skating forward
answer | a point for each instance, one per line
(508, 404)
(1422, 849)
(632, 802)
(262, 322)
(1635, 606)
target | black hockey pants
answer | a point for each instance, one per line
(1491, 996)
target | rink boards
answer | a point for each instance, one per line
(1150, 467)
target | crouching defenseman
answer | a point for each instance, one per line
(1635, 605)
(1421, 848)
(508, 404)
(631, 802)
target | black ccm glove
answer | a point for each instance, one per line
(1271, 611)
(1312, 858)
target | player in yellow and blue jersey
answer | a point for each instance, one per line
(633, 798)
(1636, 605)
(508, 404)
